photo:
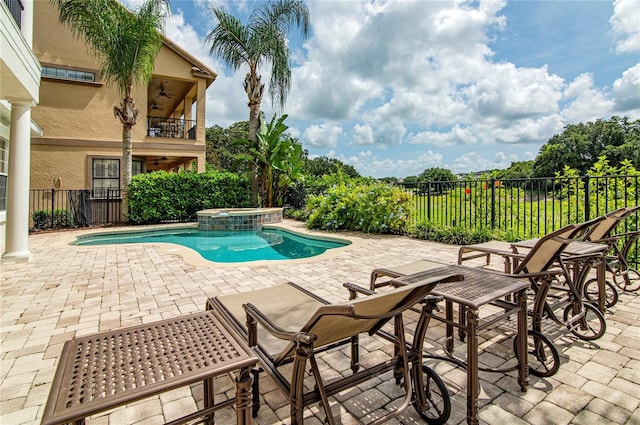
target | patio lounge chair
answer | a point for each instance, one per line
(287, 325)
(624, 276)
(511, 253)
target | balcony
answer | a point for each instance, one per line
(172, 128)
(171, 106)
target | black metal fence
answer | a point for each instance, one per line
(525, 208)
(530, 207)
(55, 209)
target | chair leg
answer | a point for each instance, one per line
(320, 388)
(355, 354)
(255, 392)
(296, 394)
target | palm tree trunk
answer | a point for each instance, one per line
(128, 115)
(254, 89)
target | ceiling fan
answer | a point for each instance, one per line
(163, 93)
(155, 107)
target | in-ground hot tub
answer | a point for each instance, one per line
(238, 218)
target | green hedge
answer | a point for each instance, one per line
(368, 207)
(43, 219)
(162, 196)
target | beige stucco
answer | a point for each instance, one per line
(77, 117)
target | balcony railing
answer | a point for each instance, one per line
(16, 8)
(172, 128)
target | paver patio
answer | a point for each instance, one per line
(67, 291)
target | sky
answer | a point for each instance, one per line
(397, 87)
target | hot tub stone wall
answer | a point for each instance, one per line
(232, 221)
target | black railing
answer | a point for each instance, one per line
(531, 207)
(173, 128)
(54, 209)
(525, 208)
(15, 8)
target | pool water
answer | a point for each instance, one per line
(227, 247)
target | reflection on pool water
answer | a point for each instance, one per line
(227, 247)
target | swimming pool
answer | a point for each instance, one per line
(227, 247)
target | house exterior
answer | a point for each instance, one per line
(71, 139)
(81, 144)
(19, 92)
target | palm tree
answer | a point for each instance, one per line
(262, 41)
(126, 44)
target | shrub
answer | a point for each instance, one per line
(43, 219)
(162, 196)
(370, 207)
(458, 235)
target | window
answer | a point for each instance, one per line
(106, 178)
(4, 170)
(69, 74)
(136, 167)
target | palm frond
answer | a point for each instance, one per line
(229, 39)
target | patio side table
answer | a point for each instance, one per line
(105, 370)
(479, 288)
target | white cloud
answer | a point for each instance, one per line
(369, 164)
(362, 135)
(587, 103)
(626, 90)
(625, 24)
(321, 136)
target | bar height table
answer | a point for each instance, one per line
(102, 371)
(479, 288)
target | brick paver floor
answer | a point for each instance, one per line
(67, 291)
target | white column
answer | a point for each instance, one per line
(17, 228)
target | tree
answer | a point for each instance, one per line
(277, 157)
(262, 42)
(580, 145)
(222, 152)
(517, 170)
(437, 175)
(126, 44)
(323, 165)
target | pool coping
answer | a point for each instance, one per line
(192, 257)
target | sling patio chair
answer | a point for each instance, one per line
(624, 276)
(287, 326)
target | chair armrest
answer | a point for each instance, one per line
(354, 290)
(553, 272)
(626, 234)
(275, 330)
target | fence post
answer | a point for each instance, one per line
(108, 204)
(429, 200)
(53, 206)
(493, 203)
(587, 198)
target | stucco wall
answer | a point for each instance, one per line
(77, 118)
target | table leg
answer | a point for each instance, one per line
(243, 397)
(208, 399)
(472, 366)
(449, 316)
(523, 365)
